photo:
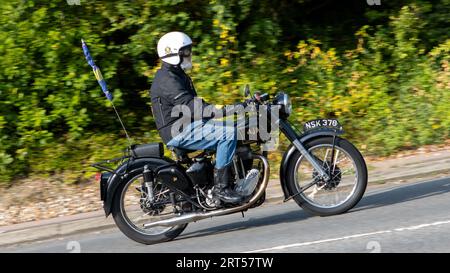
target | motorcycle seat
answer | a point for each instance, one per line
(147, 150)
(181, 152)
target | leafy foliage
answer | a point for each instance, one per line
(383, 71)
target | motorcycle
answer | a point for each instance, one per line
(152, 198)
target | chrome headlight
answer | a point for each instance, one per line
(283, 100)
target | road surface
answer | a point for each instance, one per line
(396, 218)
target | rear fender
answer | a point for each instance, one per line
(126, 170)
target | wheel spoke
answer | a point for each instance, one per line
(161, 193)
(137, 219)
(136, 209)
(315, 190)
(335, 159)
(342, 173)
(339, 161)
(325, 162)
(331, 193)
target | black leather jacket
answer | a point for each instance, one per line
(171, 86)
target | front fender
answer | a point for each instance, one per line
(133, 166)
(291, 149)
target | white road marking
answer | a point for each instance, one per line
(416, 227)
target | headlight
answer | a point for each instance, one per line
(284, 101)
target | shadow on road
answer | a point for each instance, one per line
(291, 216)
(404, 194)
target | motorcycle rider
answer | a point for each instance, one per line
(172, 87)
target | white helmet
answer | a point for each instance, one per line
(175, 47)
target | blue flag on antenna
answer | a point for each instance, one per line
(97, 73)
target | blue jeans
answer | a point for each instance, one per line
(208, 135)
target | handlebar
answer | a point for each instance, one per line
(257, 97)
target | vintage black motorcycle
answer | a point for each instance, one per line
(152, 197)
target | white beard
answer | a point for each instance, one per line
(186, 64)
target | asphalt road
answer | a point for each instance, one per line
(396, 218)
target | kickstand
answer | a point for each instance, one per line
(242, 214)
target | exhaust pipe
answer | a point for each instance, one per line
(196, 216)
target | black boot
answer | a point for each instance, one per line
(222, 187)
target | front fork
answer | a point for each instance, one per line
(294, 138)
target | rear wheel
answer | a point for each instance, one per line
(348, 171)
(131, 211)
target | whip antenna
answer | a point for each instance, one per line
(121, 123)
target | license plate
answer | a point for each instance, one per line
(322, 123)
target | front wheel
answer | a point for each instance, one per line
(348, 177)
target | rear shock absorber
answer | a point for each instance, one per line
(148, 182)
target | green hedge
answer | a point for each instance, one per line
(383, 71)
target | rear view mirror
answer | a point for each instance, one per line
(247, 90)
